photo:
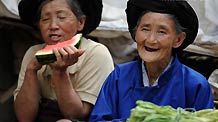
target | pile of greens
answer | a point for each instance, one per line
(149, 112)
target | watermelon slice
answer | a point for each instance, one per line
(46, 55)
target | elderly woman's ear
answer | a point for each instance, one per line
(180, 39)
(81, 23)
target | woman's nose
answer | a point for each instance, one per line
(54, 24)
(152, 37)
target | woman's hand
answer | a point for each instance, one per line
(66, 56)
(34, 65)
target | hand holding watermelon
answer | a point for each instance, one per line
(46, 55)
(66, 56)
(34, 65)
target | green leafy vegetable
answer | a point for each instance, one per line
(149, 112)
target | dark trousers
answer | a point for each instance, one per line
(49, 112)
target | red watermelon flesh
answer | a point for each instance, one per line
(46, 55)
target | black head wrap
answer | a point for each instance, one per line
(179, 8)
(92, 9)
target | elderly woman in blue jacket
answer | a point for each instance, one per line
(161, 29)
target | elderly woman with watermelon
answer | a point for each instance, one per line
(67, 87)
(161, 28)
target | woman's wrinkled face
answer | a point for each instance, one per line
(156, 37)
(58, 23)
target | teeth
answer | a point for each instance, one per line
(54, 37)
(150, 49)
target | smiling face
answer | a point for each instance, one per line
(58, 23)
(156, 37)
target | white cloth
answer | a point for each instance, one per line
(203, 38)
(211, 14)
(9, 8)
(113, 15)
(211, 10)
(113, 31)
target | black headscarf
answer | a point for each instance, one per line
(181, 9)
(92, 9)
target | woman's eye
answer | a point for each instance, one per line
(145, 29)
(161, 31)
(61, 17)
(44, 19)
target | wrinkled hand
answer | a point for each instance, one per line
(66, 56)
(34, 65)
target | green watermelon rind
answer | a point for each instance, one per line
(46, 59)
(49, 57)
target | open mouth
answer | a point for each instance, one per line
(54, 37)
(150, 49)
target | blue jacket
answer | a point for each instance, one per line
(178, 86)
